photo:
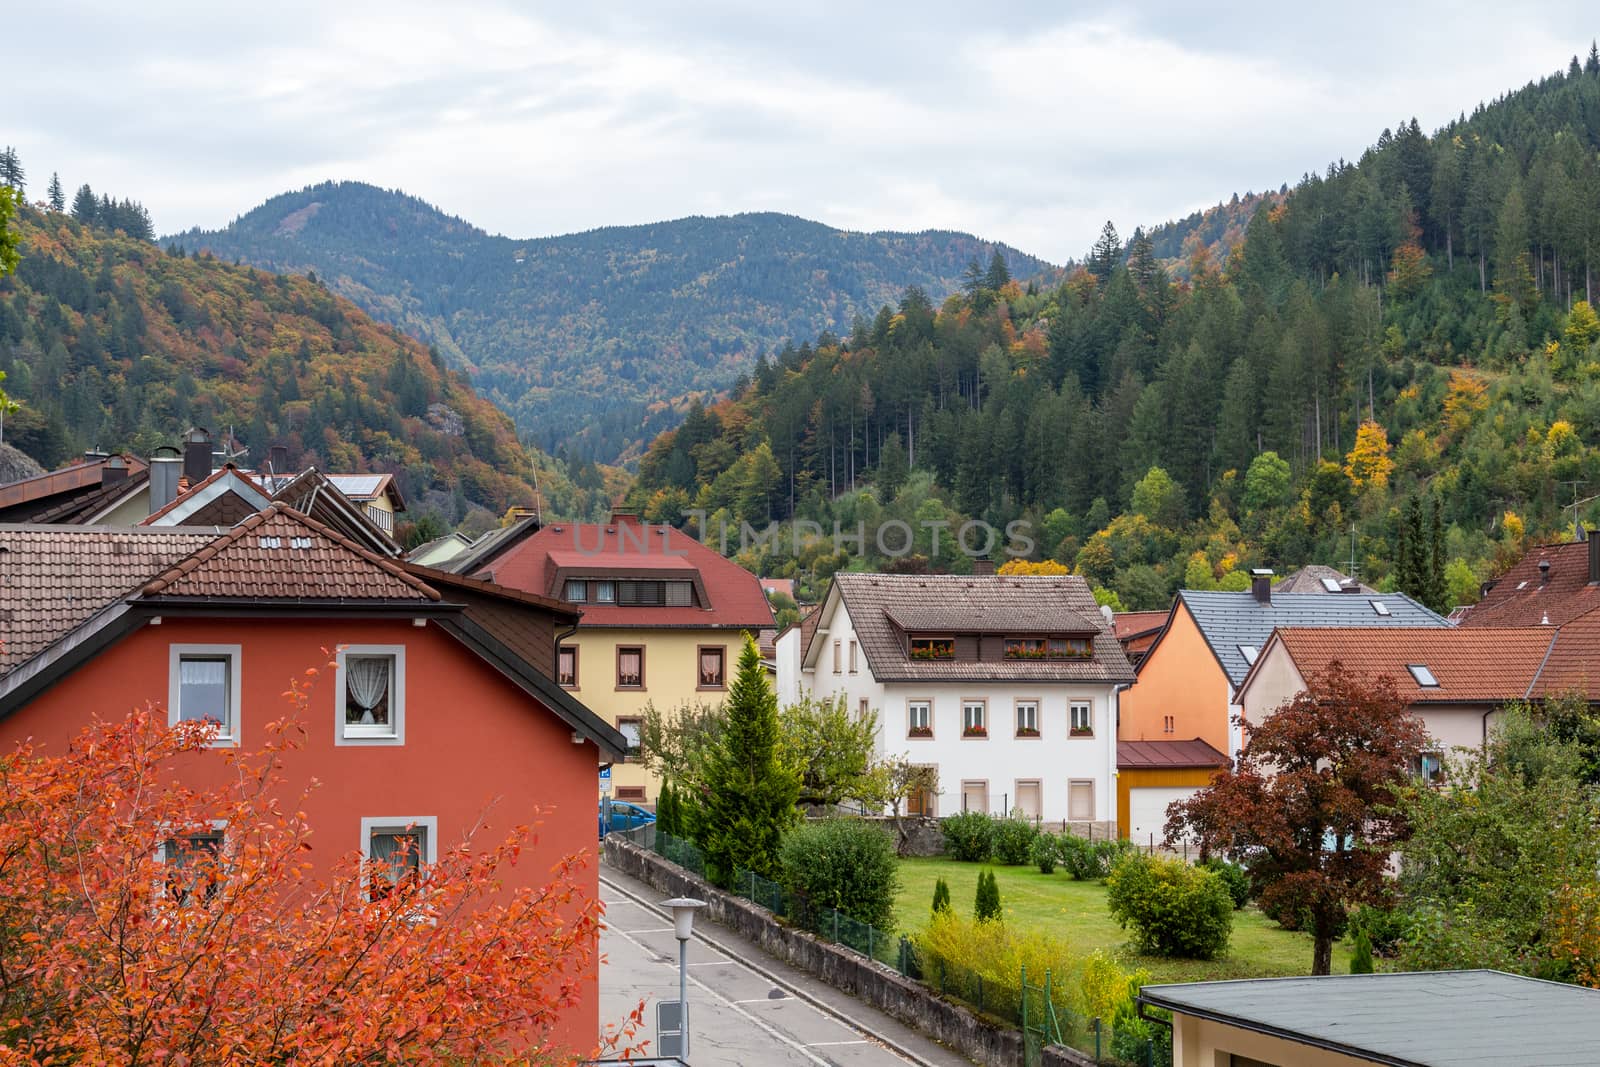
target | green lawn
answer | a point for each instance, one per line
(1076, 912)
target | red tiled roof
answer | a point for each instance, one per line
(1130, 623)
(1167, 755)
(1472, 666)
(540, 562)
(186, 491)
(1524, 597)
(280, 554)
(53, 578)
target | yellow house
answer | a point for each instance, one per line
(1426, 1019)
(663, 619)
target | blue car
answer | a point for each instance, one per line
(621, 815)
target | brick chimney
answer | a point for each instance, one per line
(1261, 584)
(1544, 572)
(983, 565)
(624, 517)
(197, 455)
(1594, 556)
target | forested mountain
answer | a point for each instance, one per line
(109, 341)
(1412, 326)
(591, 340)
(1212, 233)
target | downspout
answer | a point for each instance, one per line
(555, 655)
(1116, 731)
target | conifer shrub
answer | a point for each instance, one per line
(1013, 841)
(1173, 909)
(845, 864)
(1045, 853)
(941, 896)
(1361, 958)
(969, 836)
(986, 905)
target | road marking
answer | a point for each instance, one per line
(649, 930)
(711, 963)
(821, 1044)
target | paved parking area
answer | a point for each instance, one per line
(739, 1016)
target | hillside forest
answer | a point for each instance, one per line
(1398, 365)
(109, 342)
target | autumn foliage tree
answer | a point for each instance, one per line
(129, 934)
(1311, 800)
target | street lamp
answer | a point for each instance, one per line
(683, 909)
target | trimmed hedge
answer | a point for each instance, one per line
(843, 863)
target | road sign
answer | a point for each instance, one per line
(605, 780)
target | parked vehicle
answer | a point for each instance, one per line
(621, 815)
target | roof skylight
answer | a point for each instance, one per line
(1331, 584)
(1249, 652)
(1379, 607)
(1423, 676)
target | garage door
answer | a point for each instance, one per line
(1147, 810)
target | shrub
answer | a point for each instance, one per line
(1385, 928)
(1233, 876)
(1361, 959)
(969, 837)
(1013, 841)
(955, 953)
(845, 864)
(1044, 853)
(986, 905)
(941, 896)
(1174, 909)
(1077, 856)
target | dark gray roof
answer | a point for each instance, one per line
(1229, 620)
(988, 604)
(1432, 1019)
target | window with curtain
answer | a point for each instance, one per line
(567, 666)
(398, 854)
(369, 694)
(605, 592)
(577, 591)
(203, 694)
(713, 668)
(630, 668)
(1082, 719)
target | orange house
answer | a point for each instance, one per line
(440, 714)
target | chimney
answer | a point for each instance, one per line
(113, 470)
(1544, 572)
(1261, 584)
(1594, 558)
(164, 471)
(624, 517)
(197, 455)
(278, 459)
(983, 565)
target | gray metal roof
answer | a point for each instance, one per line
(1432, 1019)
(1229, 620)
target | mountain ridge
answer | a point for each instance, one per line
(593, 340)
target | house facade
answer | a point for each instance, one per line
(662, 621)
(435, 715)
(1188, 678)
(1008, 685)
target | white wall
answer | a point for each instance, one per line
(786, 657)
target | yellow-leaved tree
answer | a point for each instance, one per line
(1368, 463)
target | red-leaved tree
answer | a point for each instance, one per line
(120, 943)
(1310, 803)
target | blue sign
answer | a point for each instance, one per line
(605, 774)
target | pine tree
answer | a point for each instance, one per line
(85, 207)
(1592, 64)
(1411, 571)
(998, 274)
(58, 196)
(986, 904)
(892, 468)
(750, 792)
(1106, 254)
(1437, 590)
(667, 811)
(1361, 958)
(11, 172)
(941, 896)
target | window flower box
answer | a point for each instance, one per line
(936, 652)
(1082, 731)
(920, 731)
(1027, 731)
(975, 731)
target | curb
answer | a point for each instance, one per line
(782, 983)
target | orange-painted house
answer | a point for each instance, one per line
(440, 714)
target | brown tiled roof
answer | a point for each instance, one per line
(82, 476)
(1167, 755)
(279, 554)
(1524, 597)
(988, 604)
(1574, 662)
(53, 578)
(1309, 579)
(1472, 666)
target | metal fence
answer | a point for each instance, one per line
(1041, 1012)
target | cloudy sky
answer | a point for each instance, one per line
(1026, 123)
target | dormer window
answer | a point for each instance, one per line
(605, 592)
(1026, 648)
(1071, 647)
(933, 648)
(577, 591)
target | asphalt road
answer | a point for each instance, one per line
(746, 1008)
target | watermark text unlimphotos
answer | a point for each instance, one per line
(891, 539)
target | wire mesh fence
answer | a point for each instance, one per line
(1042, 1011)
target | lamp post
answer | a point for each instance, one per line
(683, 909)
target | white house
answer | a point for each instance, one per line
(1007, 684)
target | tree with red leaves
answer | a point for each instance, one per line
(132, 932)
(1310, 803)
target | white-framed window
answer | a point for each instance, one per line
(396, 848)
(1027, 718)
(631, 727)
(919, 718)
(1082, 722)
(194, 862)
(204, 684)
(370, 695)
(853, 656)
(838, 660)
(974, 718)
(605, 592)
